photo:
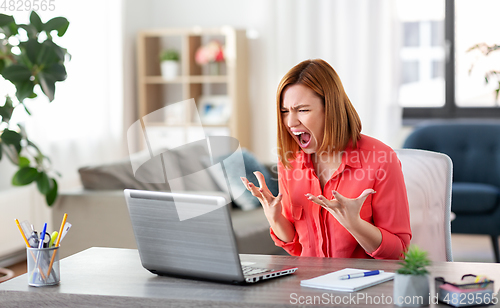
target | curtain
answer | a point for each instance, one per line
(358, 39)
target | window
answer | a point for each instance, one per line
(436, 79)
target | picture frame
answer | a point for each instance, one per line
(214, 109)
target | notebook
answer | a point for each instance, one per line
(331, 281)
(191, 236)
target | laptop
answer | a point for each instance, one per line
(190, 236)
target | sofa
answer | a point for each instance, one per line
(99, 215)
(474, 148)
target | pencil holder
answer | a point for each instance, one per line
(43, 266)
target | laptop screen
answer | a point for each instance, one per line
(184, 235)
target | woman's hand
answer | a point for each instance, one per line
(270, 204)
(282, 228)
(345, 210)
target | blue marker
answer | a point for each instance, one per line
(42, 236)
(359, 275)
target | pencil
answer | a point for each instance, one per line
(28, 245)
(57, 242)
(22, 233)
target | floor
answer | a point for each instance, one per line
(466, 248)
(472, 248)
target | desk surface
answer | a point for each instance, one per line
(114, 277)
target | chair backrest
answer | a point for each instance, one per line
(428, 183)
(468, 144)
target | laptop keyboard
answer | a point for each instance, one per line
(250, 270)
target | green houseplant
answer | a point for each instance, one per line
(411, 282)
(169, 55)
(486, 50)
(29, 59)
(169, 64)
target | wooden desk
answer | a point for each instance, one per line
(112, 277)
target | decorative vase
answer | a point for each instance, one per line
(411, 290)
(214, 68)
(169, 69)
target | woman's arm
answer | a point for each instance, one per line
(390, 212)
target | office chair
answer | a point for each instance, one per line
(428, 183)
(474, 148)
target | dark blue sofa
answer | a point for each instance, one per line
(475, 151)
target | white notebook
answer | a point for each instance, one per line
(331, 281)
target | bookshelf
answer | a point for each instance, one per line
(227, 90)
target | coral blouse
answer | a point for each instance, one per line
(317, 233)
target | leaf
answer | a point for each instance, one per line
(13, 29)
(24, 60)
(6, 20)
(24, 89)
(48, 85)
(23, 161)
(53, 53)
(12, 138)
(6, 110)
(1, 151)
(25, 176)
(16, 73)
(43, 183)
(26, 108)
(49, 53)
(2, 65)
(51, 196)
(56, 71)
(36, 21)
(32, 48)
(30, 30)
(60, 24)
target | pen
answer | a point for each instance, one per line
(67, 226)
(42, 236)
(359, 275)
(40, 246)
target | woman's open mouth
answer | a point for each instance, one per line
(303, 138)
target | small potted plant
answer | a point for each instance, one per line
(411, 282)
(169, 64)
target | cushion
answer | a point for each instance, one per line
(182, 167)
(194, 172)
(473, 198)
(246, 201)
